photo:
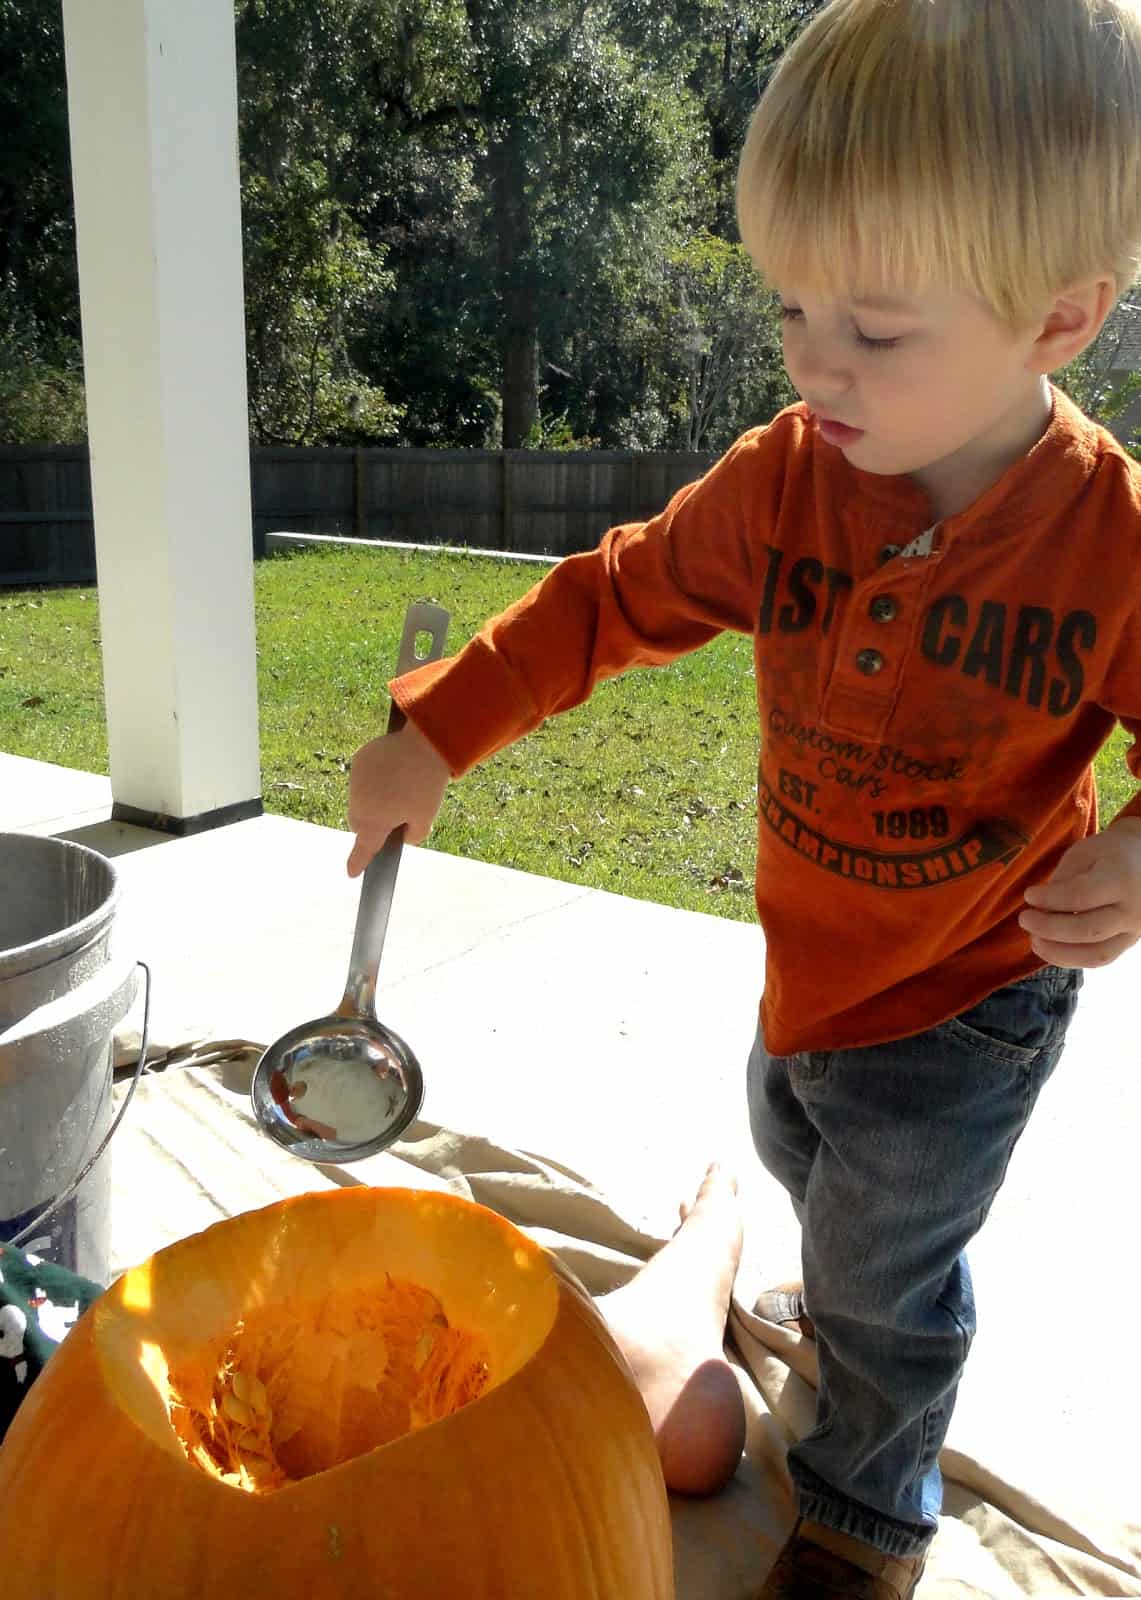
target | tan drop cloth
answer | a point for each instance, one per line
(188, 1154)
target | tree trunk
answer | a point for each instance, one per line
(518, 294)
(520, 378)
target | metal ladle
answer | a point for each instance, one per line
(344, 1086)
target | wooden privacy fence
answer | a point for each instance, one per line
(534, 502)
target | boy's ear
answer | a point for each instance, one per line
(1073, 322)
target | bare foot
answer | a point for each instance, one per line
(669, 1322)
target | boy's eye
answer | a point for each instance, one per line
(874, 344)
(795, 314)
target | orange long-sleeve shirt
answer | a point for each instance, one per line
(929, 702)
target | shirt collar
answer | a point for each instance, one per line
(1033, 488)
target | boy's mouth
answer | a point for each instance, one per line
(837, 433)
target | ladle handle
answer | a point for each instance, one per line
(379, 879)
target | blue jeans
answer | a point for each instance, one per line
(892, 1154)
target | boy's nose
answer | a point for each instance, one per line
(820, 372)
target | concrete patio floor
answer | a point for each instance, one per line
(611, 1035)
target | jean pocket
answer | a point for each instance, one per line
(1017, 1023)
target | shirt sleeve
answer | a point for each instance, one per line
(649, 593)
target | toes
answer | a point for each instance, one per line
(715, 1181)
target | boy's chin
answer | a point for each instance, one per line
(879, 463)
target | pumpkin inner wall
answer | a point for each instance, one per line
(298, 1387)
(275, 1345)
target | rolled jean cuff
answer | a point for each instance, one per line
(817, 1501)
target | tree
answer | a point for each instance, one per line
(691, 352)
(41, 381)
(566, 139)
(722, 52)
(466, 220)
(312, 279)
(37, 231)
(41, 387)
(721, 318)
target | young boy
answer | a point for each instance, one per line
(939, 560)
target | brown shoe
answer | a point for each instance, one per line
(785, 1305)
(819, 1563)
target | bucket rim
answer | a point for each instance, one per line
(19, 959)
(107, 996)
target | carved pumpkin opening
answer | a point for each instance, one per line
(290, 1354)
(297, 1389)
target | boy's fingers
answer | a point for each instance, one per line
(1088, 889)
(370, 839)
(365, 847)
(1074, 928)
(1082, 955)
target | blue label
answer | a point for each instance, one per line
(56, 1240)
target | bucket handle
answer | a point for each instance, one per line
(140, 1067)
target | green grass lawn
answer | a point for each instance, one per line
(647, 791)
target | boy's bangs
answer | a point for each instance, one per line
(849, 243)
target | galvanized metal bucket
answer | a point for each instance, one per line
(63, 992)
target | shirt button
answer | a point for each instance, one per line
(884, 608)
(869, 662)
(889, 552)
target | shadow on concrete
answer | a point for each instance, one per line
(114, 838)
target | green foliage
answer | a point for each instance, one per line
(37, 237)
(719, 54)
(462, 219)
(555, 433)
(41, 388)
(41, 382)
(723, 325)
(311, 283)
(527, 173)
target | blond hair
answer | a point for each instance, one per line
(993, 145)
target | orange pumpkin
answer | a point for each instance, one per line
(360, 1393)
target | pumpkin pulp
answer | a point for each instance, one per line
(299, 1387)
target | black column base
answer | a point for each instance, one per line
(182, 827)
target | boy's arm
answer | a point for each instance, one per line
(649, 593)
(1089, 911)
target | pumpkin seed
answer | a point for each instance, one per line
(251, 1391)
(257, 1473)
(256, 1398)
(235, 1410)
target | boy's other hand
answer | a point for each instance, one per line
(396, 779)
(1089, 910)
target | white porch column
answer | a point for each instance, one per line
(154, 147)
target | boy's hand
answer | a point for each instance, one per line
(1090, 909)
(395, 779)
